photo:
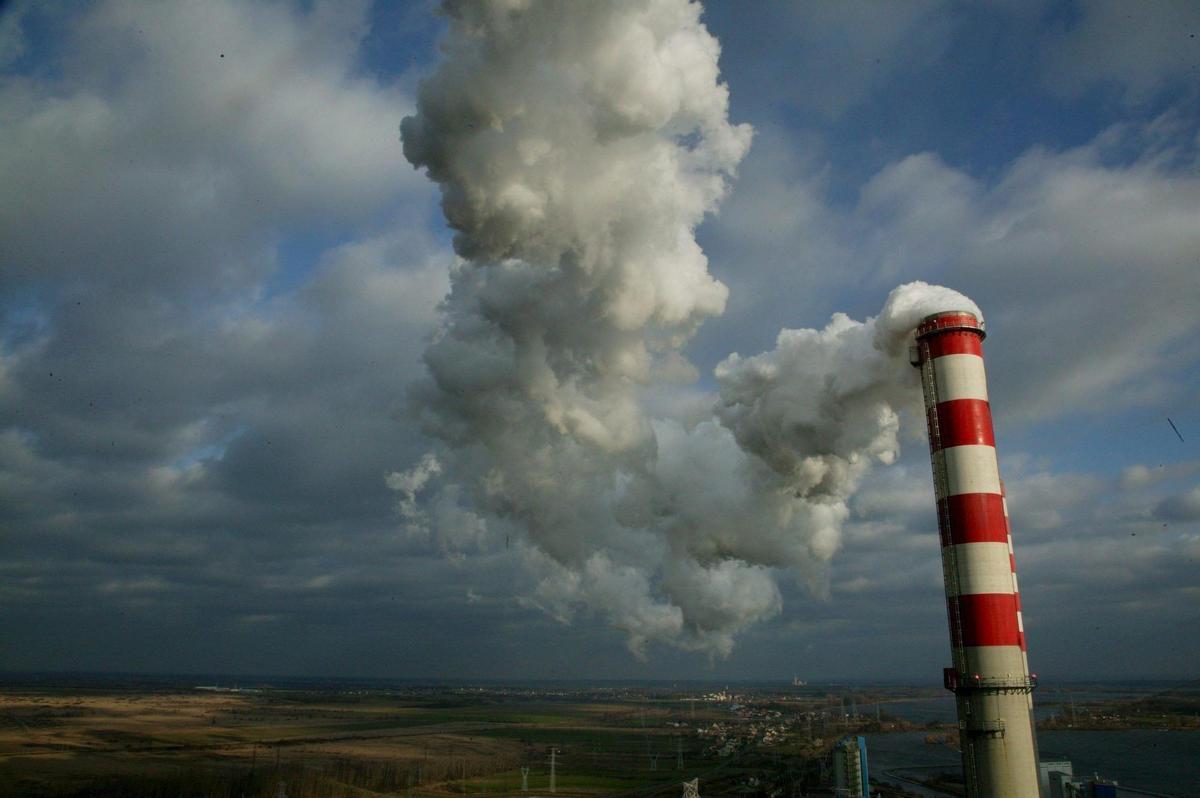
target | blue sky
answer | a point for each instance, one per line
(218, 274)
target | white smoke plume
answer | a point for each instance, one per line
(577, 147)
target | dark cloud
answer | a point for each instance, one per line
(1109, 43)
(194, 420)
(1180, 507)
(217, 276)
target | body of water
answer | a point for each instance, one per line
(1045, 704)
(1166, 762)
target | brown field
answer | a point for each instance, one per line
(179, 742)
(225, 743)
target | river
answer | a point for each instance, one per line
(1165, 762)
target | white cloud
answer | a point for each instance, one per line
(1083, 259)
(190, 413)
(1139, 475)
(176, 137)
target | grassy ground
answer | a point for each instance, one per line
(186, 743)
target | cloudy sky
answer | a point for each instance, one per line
(221, 295)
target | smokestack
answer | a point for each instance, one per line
(990, 677)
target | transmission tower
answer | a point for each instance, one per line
(553, 771)
(691, 789)
(524, 779)
(679, 753)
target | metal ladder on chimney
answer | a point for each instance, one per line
(941, 490)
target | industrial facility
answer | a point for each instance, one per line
(1057, 779)
(851, 779)
(990, 674)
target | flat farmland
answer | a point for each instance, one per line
(310, 744)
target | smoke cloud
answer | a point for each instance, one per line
(577, 147)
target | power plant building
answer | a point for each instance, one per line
(850, 768)
(1046, 770)
(1063, 785)
(990, 674)
(1093, 788)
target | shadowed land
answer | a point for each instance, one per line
(414, 741)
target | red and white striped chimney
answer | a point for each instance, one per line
(990, 677)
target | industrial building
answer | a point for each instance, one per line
(1092, 788)
(850, 768)
(1047, 770)
(990, 674)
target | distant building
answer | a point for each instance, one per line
(1092, 788)
(1063, 785)
(1049, 766)
(850, 768)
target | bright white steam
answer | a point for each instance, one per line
(577, 147)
